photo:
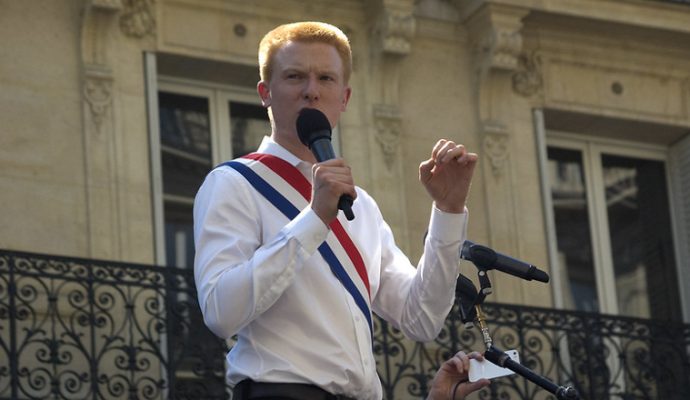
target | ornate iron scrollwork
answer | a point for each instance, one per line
(76, 328)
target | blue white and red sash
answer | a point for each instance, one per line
(284, 186)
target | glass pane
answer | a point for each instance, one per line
(249, 125)
(186, 159)
(569, 197)
(179, 235)
(185, 123)
(641, 238)
(182, 176)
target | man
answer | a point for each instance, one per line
(293, 280)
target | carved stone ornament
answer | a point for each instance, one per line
(98, 95)
(495, 146)
(528, 80)
(501, 47)
(497, 37)
(388, 126)
(396, 29)
(138, 18)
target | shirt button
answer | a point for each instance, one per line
(357, 318)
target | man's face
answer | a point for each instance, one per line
(304, 75)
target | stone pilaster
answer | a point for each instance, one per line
(103, 228)
(495, 31)
(393, 28)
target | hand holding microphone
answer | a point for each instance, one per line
(314, 131)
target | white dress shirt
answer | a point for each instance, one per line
(261, 277)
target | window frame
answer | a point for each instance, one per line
(219, 98)
(592, 148)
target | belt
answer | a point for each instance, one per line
(248, 389)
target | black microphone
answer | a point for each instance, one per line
(314, 131)
(485, 258)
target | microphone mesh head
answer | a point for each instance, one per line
(312, 124)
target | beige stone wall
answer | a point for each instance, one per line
(41, 148)
(74, 156)
(74, 144)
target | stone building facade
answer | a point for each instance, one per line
(112, 110)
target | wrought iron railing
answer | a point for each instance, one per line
(85, 329)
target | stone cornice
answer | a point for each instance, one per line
(643, 13)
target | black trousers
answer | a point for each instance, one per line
(250, 390)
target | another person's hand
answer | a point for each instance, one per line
(332, 179)
(451, 381)
(447, 175)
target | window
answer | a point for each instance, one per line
(200, 127)
(185, 135)
(613, 228)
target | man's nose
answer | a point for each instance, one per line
(311, 89)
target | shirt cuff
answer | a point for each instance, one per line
(308, 229)
(448, 227)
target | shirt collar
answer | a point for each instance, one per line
(269, 146)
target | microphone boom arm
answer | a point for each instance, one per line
(500, 358)
(474, 299)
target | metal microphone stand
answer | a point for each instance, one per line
(470, 302)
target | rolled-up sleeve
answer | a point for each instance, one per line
(418, 300)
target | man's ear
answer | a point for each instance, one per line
(264, 93)
(346, 97)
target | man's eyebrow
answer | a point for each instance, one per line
(300, 69)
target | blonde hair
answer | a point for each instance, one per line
(303, 32)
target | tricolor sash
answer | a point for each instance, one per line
(264, 173)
